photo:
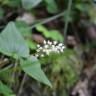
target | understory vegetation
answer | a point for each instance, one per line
(47, 47)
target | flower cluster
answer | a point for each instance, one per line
(49, 47)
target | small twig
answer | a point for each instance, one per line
(21, 86)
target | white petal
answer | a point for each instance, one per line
(63, 47)
(60, 44)
(40, 48)
(44, 42)
(58, 47)
(36, 55)
(53, 46)
(44, 50)
(55, 42)
(46, 46)
(61, 50)
(42, 55)
(38, 45)
(49, 42)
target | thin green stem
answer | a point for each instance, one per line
(44, 21)
(66, 21)
(21, 86)
(14, 72)
(6, 68)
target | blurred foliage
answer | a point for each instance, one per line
(26, 32)
(14, 45)
(28, 4)
(5, 90)
(11, 3)
(63, 69)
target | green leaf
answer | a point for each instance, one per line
(12, 43)
(32, 67)
(28, 4)
(24, 28)
(5, 90)
(6, 74)
(26, 32)
(53, 34)
(51, 6)
(32, 45)
(11, 3)
(83, 7)
(43, 30)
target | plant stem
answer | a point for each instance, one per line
(66, 21)
(14, 72)
(6, 68)
(21, 86)
(48, 19)
(43, 21)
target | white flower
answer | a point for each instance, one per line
(40, 48)
(55, 42)
(53, 46)
(50, 47)
(44, 50)
(47, 52)
(58, 47)
(45, 42)
(49, 42)
(55, 49)
(63, 47)
(46, 46)
(61, 50)
(38, 45)
(42, 55)
(36, 55)
(60, 44)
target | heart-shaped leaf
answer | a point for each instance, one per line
(32, 67)
(12, 43)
